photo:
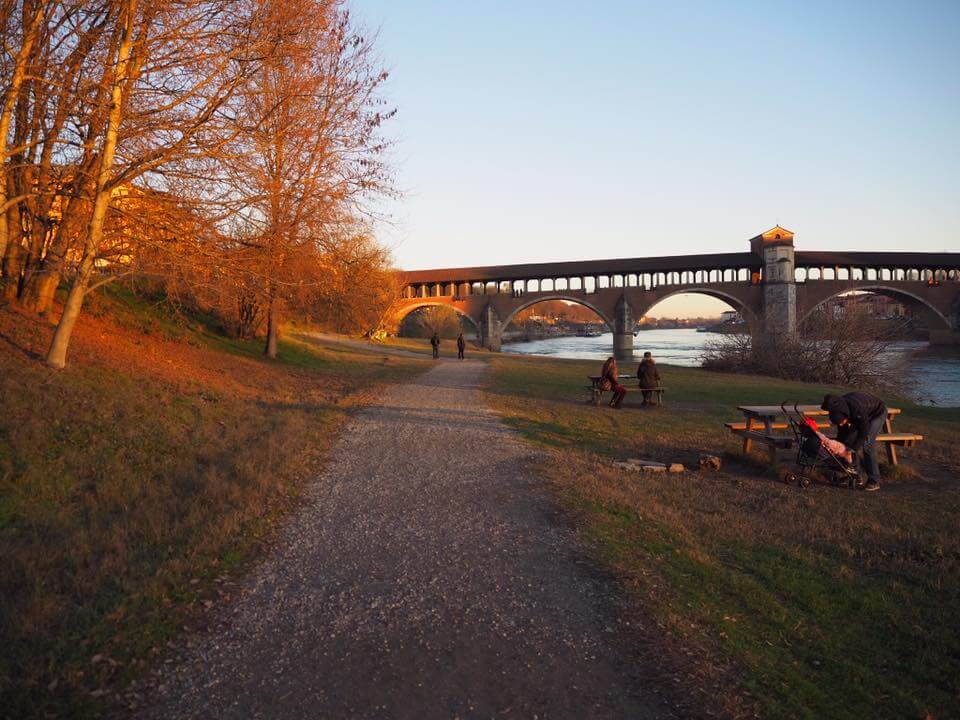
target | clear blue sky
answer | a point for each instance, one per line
(536, 131)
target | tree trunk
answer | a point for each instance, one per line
(42, 291)
(270, 350)
(57, 355)
(6, 116)
(11, 270)
(39, 294)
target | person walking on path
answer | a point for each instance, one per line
(649, 378)
(859, 418)
(435, 342)
(611, 381)
(461, 346)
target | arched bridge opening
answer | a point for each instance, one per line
(731, 309)
(541, 318)
(899, 304)
(421, 320)
(598, 314)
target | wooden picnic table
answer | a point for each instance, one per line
(766, 417)
(597, 380)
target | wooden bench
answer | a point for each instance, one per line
(736, 426)
(761, 424)
(899, 439)
(595, 394)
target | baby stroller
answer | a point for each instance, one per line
(816, 451)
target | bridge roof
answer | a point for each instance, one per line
(830, 258)
(576, 268)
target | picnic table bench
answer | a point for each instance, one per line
(761, 423)
(596, 381)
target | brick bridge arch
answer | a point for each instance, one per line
(746, 301)
(400, 311)
(530, 301)
(937, 304)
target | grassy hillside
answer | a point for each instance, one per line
(776, 602)
(133, 483)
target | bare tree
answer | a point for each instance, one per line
(848, 348)
(171, 67)
(32, 13)
(226, 145)
(309, 151)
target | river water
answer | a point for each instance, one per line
(935, 370)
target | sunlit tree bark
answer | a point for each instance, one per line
(33, 14)
(177, 66)
(57, 355)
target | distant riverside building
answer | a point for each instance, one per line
(877, 306)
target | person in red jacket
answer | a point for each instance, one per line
(610, 380)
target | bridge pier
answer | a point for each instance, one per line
(491, 330)
(623, 330)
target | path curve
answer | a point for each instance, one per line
(425, 576)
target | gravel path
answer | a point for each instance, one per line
(424, 577)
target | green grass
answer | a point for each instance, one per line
(794, 604)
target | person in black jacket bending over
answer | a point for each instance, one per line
(859, 418)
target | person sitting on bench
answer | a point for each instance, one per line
(611, 381)
(649, 378)
(859, 418)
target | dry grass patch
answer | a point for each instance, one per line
(767, 600)
(136, 479)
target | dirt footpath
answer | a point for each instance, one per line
(425, 577)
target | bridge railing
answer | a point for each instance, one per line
(927, 276)
(587, 285)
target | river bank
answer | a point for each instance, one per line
(934, 370)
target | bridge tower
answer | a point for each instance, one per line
(775, 249)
